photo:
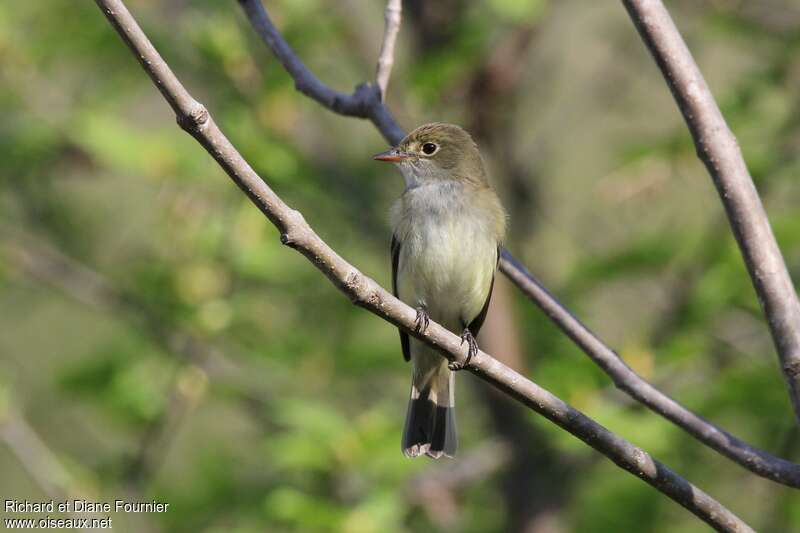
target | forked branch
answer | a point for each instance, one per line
(365, 292)
(365, 102)
(756, 460)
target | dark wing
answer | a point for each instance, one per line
(475, 326)
(395, 262)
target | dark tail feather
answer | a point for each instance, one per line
(430, 428)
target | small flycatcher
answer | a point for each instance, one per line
(448, 227)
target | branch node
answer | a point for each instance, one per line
(195, 120)
(792, 369)
(352, 282)
(352, 279)
(294, 227)
(364, 97)
(365, 90)
(361, 291)
(374, 299)
(286, 239)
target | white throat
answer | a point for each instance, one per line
(409, 175)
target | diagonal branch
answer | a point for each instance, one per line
(757, 461)
(365, 292)
(718, 150)
(392, 17)
(200, 360)
(40, 462)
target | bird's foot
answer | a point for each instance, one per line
(466, 336)
(422, 320)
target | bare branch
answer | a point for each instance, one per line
(39, 461)
(365, 102)
(718, 150)
(392, 17)
(753, 459)
(201, 359)
(365, 292)
(33, 454)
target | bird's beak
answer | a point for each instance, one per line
(393, 156)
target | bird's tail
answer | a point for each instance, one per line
(431, 421)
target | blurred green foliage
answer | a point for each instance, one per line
(288, 415)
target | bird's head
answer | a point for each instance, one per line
(437, 152)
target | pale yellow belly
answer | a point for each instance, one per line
(448, 269)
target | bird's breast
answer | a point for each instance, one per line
(447, 257)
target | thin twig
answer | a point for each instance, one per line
(89, 287)
(753, 459)
(365, 292)
(392, 18)
(718, 150)
(365, 102)
(39, 461)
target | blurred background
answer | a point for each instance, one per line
(157, 341)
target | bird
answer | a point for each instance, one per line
(448, 227)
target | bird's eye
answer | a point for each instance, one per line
(428, 148)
